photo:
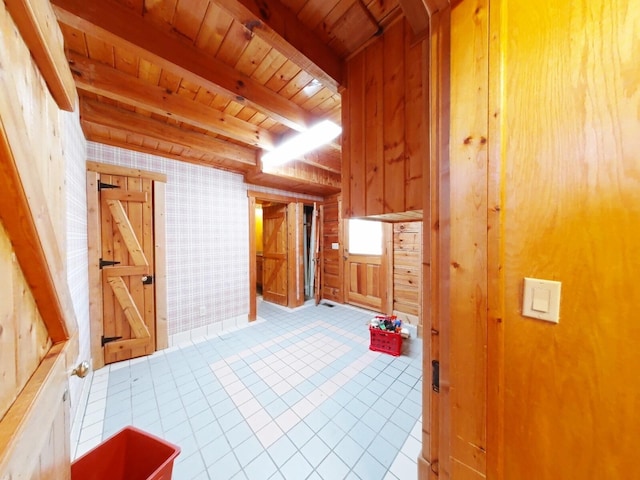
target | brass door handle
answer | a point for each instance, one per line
(82, 370)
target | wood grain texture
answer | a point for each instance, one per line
(124, 226)
(93, 166)
(295, 267)
(116, 25)
(374, 127)
(571, 390)
(407, 269)
(332, 259)
(436, 282)
(393, 106)
(128, 305)
(38, 27)
(416, 13)
(23, 336)
(280, 28)
(95, 276)
(275, 285)
(465, 366)
(34, 431)
(495, 253)
(385, 123)
(117, 118)
(26, 429)
(32, 218)
(127, 237)
(160, 263)
(111, 83)
(253, 278)
(416, 71)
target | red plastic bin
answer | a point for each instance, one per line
(130, 454)
(385, 341)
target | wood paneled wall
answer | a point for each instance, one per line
(384, 117)
(332, 263)
(407, 271)
(550, 191)
(572, 213)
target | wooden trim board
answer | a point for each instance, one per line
(160, 237)
(124, 171)
(95, 280)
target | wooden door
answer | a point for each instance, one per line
(274, 268)
(365, 275)
(127, 246)
(363, 286)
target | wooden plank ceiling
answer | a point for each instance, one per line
(213, 82)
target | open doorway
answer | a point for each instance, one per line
(282, 250)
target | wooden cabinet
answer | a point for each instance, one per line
(385, 122)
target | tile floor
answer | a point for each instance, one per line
(295, 395)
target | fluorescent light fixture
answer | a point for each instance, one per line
(304, 142)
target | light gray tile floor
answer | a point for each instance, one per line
(296, 395)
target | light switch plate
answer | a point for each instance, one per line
(335, 246)
(541, 299)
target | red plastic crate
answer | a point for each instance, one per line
(130, 454)
(385, 341)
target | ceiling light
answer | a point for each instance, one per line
(318, 135)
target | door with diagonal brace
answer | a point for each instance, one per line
(275, 274)
(127, 265)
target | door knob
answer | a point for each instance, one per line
(82, 370)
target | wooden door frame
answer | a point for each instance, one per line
(438, 264)
(295, 280)
(94, 169)
(276, 253)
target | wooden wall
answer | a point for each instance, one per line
(385, 126)
(407, 271)
(332, 264)
(572, 214)
(543, 181)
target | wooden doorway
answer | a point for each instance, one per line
(367, 270)
(126, 237)
(284, 256)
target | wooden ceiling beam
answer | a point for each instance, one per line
(417, 14)
(109, 116)
(103, 80)
(279, 27)
(190, 156)
(330, 163)
(117, 25)
(297, 177)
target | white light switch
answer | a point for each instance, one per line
(335, 246)
(541, 299)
